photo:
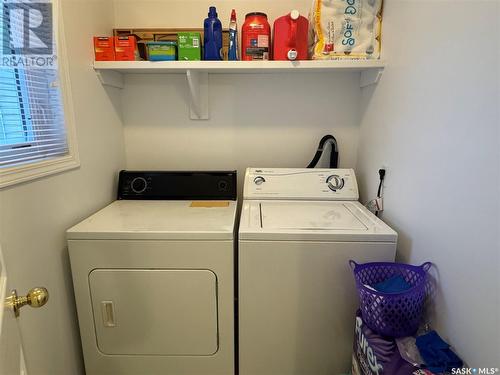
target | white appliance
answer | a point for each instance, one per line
(297, 297)
(153, 275)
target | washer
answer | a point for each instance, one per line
(153, 275)
(297, 297)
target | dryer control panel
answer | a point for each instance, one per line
(177, 185)
(301, 184)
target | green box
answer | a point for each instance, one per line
(189, 46)
(161, 51)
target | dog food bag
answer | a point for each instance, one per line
(342, 29)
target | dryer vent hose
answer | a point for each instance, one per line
(334, 156)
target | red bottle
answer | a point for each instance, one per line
(255, 37)
(290, 37)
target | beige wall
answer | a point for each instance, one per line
(434, 122)
(35, 215)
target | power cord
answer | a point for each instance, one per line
(380, 205)
(377, 205)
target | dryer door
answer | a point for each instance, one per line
(155, 312)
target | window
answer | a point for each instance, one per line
(36, 134)
(31, 121)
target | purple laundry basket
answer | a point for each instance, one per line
(391, 314)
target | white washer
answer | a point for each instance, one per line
(297, 297)
(154, 279)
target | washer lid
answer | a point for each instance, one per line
(149, 220)
(309, 215)
(312, 221)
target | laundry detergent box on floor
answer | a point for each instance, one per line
(104, 48)
(189, 46)
(374, 354)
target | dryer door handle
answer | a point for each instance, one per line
(108, 314)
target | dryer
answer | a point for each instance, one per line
(297, 297)
(153, 275)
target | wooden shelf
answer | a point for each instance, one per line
(111, 73)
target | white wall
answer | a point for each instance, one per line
(433, 120)
(35, 215)
(191, 13)
(256, 120)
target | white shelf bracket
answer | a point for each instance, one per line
(370, 77)
(111, 78)
(198, 89)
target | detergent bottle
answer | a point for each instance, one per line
(291, 37)
(256, 37)
(213, 36)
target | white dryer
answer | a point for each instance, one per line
(297, 298)
(153, 275)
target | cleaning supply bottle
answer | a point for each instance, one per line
(256, 37)
(213, 36)
(290, 37)
(233, 38)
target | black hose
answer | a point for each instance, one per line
(334, 156)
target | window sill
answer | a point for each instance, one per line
(24, 173)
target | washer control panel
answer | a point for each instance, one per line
(138, 185)
(303, 184)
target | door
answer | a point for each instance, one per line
(11, 346)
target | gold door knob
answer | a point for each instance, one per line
(37, 297)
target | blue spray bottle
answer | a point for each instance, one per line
(233, 38)
(213, 36)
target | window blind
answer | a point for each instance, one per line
(32, 126)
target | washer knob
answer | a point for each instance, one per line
(139, 185)
(335, 182)
(259, 180)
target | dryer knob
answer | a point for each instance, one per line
(223, 185)
(335, 182)
(139, 185)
